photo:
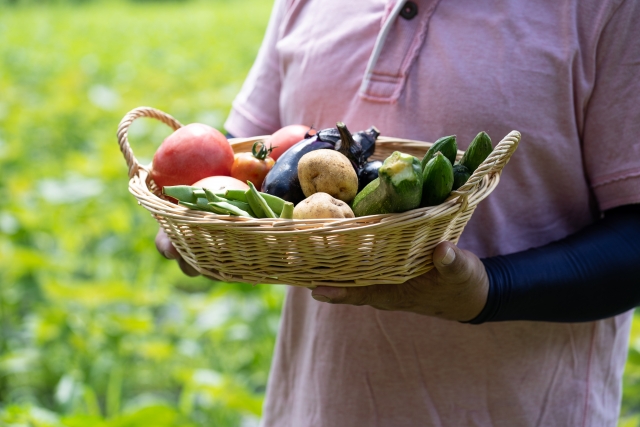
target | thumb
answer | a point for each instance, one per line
(452, 263)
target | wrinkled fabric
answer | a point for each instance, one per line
(563, 73)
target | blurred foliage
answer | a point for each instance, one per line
(96, 328)
(631, 386)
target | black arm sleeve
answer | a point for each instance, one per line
(590, 275)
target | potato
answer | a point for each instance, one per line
(322, 205)
(328, 171)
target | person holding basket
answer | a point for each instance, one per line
(526, 321)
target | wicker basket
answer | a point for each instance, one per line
(362, 251)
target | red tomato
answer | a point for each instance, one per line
(252, 166)
(284, 138)
(193, 152)
(219, 184)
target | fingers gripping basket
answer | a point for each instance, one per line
(376, 249)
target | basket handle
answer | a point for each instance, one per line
(123, 128)
(492, 164)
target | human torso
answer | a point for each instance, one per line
(455, 68)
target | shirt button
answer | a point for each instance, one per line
(409, 10)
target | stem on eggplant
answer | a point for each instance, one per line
(346, 145)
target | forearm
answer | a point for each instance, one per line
(590, 275)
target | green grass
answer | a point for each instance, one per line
(96, 329)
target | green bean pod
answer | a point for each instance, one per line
(287, 211)
(238, 195)
(231, 209)
(203, 203)
(275, 203)
(191, 206)
(213, 197)
(241, 205)
(255, 206)
(182, 193)
(199, 192)
(256, 201)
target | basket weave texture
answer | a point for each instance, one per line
(375, 249)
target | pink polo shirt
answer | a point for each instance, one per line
(566, 74)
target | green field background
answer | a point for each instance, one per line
(97, 329)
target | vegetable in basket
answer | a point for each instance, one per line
(437, 180)
(368, 173)
(358, 148)
(398, 187)
(258, 204)
(322, 205)
(253, 166)
(328, 171)
(192, 152)
(478, 151)
(275, 203)
(282, 180)
(460, 176)
(446, 145)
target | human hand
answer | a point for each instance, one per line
(167, 250)
(456, 289)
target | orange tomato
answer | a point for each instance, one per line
(252, 166)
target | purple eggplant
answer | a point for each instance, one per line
(357, 148)
(282, 180)
(367, 141)
(368, 173)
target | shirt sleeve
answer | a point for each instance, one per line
(611, 135)
(255, 110)
(589, 275)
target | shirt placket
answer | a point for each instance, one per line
(394, 54)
